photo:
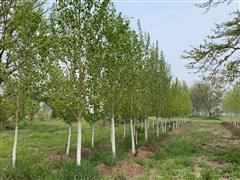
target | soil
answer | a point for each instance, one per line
(128, 168)
(234, 130)
(62, 158)
(145, 152)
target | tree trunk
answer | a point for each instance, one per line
(69, 140)
(146, 128)
(79, 139)
(165, 126)
(134, 127)
(136, 137)
(132, 137)
(162, 126)
(157, 126)
(14, 152)
(93, 132)
(124, 128)
(113, 137)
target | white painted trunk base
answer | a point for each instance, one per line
(157, 127)
(79, 142)
(93, 132)
(146, 128)
(14, 152)
(132, 137)
(69, 140)
(124, 129)
(113, 138)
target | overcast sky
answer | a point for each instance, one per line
(176, 25)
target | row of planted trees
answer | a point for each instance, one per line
(83, 59)
(231, 105)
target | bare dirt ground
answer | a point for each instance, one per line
(223, 136)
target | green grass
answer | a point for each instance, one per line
(42, 143)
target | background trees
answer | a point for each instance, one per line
(207, 97)
(231, 103)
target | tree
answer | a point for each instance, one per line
(231, 102)
(209, 94)
(73, 23)
(116, 65)
(59, 100)
(197, 98)
(26, 53)
(218, 54)
(7, 29)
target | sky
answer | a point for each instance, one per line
(176, 24)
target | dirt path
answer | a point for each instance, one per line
(220, 140)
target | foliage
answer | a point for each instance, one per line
(218, 54)
(231, 103)
(207, 96)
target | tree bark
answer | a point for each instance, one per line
(162, 125)
(132, 137)
(136, 137)
(165, 126)
(124, 128)
(79, 139)
(146, 128)
(113, 137)
(69, 140)
(93, 132)
(14, 152)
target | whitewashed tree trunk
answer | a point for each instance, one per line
(146, 128)
(79, 140)
(165, 126)
(134, 129)
(162, 125)
(124, 128)
(93, 132)
(15, 147)
(136, 138)
(14, 152)
(153, 123)
(113, 137)
(157, 126)
(69, 140)
(132, 137)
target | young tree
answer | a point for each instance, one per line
(7, 30)
(76, 24)
(26, 54)
(59, 99)
(231, 102)
(116, 32)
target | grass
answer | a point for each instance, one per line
(200, 151)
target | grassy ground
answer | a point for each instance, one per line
(203, 150)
